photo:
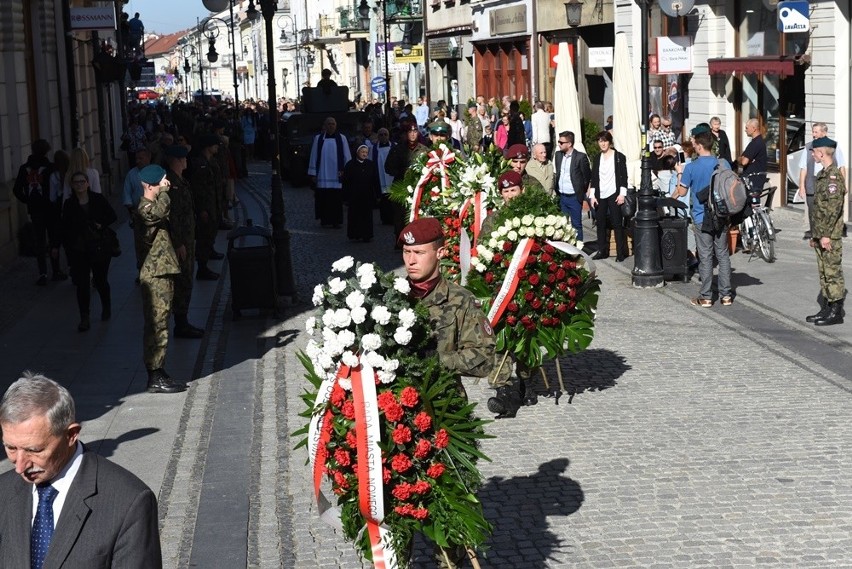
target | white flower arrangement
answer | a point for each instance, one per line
(550, 227)
(363, 316)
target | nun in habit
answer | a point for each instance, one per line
(361, 192)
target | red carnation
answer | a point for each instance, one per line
(422, 449)
(401, 434)
(545, 258)
(342, 457)
(421, 487)
(442, 439)
(534, 279)
(448, 221)
(535, 247)
(394, 412)
(423, 421)
(340, 479)
(384, 399)
(455, 258)
(402, 491)
(550, 305)
(551, 278)
(526, 320)
(436, 470)
(512, 307)
(532, 260)
(419, 513)
(549, 248)
(386, 475)
(401, 463)
(497, 257)
(489, 277)
(529, 296)
(560, 274)
(351, 439)
(338, 395)
(507, 246)
(536, 304)
(328, 426)
(566, 264)
(562, 287)
(546, 290)
(404, 510)
(551, 268)
(348, 410)
(561, 308)
(409, 397)
(522, 273)
(511, 320)
(573, 280)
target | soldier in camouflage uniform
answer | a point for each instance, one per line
(829, 197)
(182, 229)
(518, 155)
(205, 186)
(473, 129)
(157, 278)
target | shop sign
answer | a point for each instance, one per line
(674, 55)
(509, 20)
(416, 55)
(600, 57)
(793, 16)
(554, 54)
(100, 18)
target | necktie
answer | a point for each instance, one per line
(42, 525)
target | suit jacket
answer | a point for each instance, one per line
(109, 519)
(580, 173)
(620, 173)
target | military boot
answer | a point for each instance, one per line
(506, 402)
(205, 274)
(823, 312)
(160, 382)
(834, 316)
(183, 329)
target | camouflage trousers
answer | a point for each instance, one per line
(830, 266)
(183, 282)
(157, 296)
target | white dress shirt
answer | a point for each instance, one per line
(62, 484)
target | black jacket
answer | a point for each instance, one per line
(620, 173)
(78, 230)
(581, 173)
(32, 186)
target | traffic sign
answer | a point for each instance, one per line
(378, 85)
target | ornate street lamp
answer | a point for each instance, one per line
(574, 12)
(211, 32)
(364, 14)
(281, 22)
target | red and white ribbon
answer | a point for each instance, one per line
(438, 160)
(318, 440)
(510, 283)
(572, 250)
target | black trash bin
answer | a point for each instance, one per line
(251, 263)
(673, 243)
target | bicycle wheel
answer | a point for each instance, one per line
(767, 222)
(765, 244)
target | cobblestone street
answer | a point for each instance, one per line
(695, 437)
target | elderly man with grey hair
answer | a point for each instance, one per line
(754, 160)
(65, 506)
(541, 168)
(809, 168)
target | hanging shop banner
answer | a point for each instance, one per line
(674, 54)
(416, 55)
(509, 20)
(100, 18)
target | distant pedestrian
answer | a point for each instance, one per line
(754, 160)
(723, 145)
(571, 180)
(329, 154)
(379, 156)
(86, 217)
(79, 162)
(607, 192)
(360, 193)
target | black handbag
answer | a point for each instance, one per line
(110, 239)
(103, 243)
(628, 208)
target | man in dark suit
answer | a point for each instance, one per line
(64, 506)
(571, 180)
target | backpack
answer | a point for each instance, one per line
(727, 193)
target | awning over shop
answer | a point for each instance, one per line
(768, 65)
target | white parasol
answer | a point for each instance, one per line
(566, 105)
(626, 129)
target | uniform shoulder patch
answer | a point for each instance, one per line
(487, 327)
(832, 188)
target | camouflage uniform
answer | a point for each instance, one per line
(473, 135)
(157, 278)
(204, 196)
(465, 339)
(530, 182)
(182, 229)
(829, 196)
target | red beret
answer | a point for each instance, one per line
(518, 151)
(509, 179)
(421, 231)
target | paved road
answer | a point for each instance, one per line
(696, 437)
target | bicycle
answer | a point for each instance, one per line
(757, 230)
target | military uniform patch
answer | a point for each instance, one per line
(487, 327)
(832, 188)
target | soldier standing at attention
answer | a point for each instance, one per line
(157, 278)
(829, 197)
(204, 189)
(182, 229)
(518, 155)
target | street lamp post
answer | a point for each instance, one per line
(211, 33)
(284, 18)
(278, 220)
(648, 267)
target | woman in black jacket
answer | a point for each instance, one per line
(608, 188)
(84, 216)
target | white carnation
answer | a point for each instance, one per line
(359, 315)
(366, 280)
(349, 359)
(486, 254)
(407, 317)
(386, 376)
(371, 342)
(342, 318)
(345, 383)
(513, 235)
(325, 361)
(346, 338)
(381, 315)
(328, 318)
(401, 284)
(310, 324)
(343, 264)
(312, 349)
(373, 359)
(318, 295)
(354, 299)
(391, 365)
(336, 285)
(402, 336)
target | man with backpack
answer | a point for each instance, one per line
(32, 187)
(710, 231)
